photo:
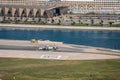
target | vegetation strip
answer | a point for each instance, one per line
(30, 69)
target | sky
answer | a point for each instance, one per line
(77, 0)
(68, 0)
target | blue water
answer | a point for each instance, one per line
(106, 39)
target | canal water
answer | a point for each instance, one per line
(105, 39)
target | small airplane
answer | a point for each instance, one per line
(47, 47)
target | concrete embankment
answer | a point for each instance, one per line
(56, 27)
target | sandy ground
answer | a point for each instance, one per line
(67, 51)
(56, 27)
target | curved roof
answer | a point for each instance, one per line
(32, 7)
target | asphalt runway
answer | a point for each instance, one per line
(34, 48)
(10, 47)
(60, 49)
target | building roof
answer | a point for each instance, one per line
(31, 7)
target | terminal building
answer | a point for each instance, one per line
(29, 9)
(51, 8)
(87, 6)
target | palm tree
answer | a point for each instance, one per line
(33, 18)
(59, 22)
(21, 18)
(4, 18)
(92, 21)
(110, 23)
(52, 20)
(73, 23)
(71, 18)
(27, 19)
(79, 21)
(101, 22)
(39, 19)
(15, 19)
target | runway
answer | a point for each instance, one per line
(26, 49)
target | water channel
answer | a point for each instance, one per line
(96, 38)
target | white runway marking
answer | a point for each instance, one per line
(51, 56)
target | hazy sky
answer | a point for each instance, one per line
(67, 0)
(77, 0)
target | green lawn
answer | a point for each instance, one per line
(29, 69)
